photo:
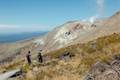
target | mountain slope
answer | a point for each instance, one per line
(78, 32)
(59, 65)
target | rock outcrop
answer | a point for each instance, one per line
(105, 71)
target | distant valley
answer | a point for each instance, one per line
(8, 38)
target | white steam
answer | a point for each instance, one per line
(100, 4)
(93, 19)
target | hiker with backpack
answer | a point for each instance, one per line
(40, 58)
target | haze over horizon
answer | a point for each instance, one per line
(43, 15)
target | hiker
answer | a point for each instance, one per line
(28, 56)
(40, 59)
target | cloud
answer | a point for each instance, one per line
(3, 26)
(5, 29)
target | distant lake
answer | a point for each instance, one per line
(8, 38)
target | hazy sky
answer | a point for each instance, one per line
(41, 15)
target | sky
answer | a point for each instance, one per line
(43, 15)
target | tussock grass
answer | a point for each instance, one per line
(102, 49)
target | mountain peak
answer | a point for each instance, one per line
(116, 14)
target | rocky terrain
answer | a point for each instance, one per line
(76, 50)
(105, 71)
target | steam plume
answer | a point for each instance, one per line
(100, 4)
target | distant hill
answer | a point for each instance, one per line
(8, 38)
